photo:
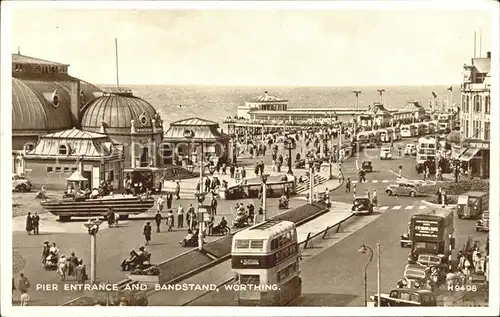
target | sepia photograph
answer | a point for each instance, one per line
(236, 158)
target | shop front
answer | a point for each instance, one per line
(477, 157)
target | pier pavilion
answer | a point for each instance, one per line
(57, 155)
(188, 139)
(45, 99)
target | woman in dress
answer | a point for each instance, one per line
(29, 223)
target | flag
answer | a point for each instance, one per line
(451, 88)
(434, 94)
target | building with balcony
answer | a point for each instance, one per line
(475, 115)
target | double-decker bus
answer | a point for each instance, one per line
(432, 233)
(426, 150)
(385, 135)
(265, 260)
(394, 133)
(423, 128)
(408, 130)
(444, 123)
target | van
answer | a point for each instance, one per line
(472, 204)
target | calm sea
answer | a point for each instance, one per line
(217, 102)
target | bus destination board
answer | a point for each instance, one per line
(424, 229)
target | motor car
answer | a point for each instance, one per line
(483, 224)
(21, 183)
(410, 148)
(416, 275)
(367, 166)
(403, 188)
(362, 206)
(431, 260)
(406, 297)
(385, 153)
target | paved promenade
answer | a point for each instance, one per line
(222, 272)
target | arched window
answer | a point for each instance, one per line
(63, 150)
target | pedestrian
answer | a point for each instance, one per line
(117, 217)
(23, 286)
(36, 223)
(81, 272)
(439, 196)
(170, 220)
(180, 217)
(232, 170)
(158, 220)
(159, 204)
(244, 173)
(207, 185)
(178, 190)
(213, 204)
(368, 194)
(111, 218)
(29, 223)
(400, 173)
(443, 197)
(348, 185)
(375, 198)
(24, 298)
(147, 232)
(72, 264)
(170, 197)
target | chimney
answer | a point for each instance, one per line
(488, 55)
(75, 101)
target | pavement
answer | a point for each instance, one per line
(221, 273)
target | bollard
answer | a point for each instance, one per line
(326, 232)
(307, 240)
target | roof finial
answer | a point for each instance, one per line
(18, 50)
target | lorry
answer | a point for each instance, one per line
(432, 232)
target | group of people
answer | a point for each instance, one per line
(65, 266)
(139, 259)
(33, 223)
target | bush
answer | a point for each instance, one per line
(463, 186)
(450, 200)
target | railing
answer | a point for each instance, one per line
(338, 225)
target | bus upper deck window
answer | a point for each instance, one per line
(256, 244)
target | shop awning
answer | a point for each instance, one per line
(469, 154)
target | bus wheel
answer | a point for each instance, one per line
(64, 218)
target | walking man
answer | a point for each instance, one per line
(158, 220)
(29, 223)
(36, 223)
(24, 285)
(159, 204)
(170, 197)
(180, 217)
(348, 185)
(147, 232)
(178, 190)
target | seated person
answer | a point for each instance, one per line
(130, 261)
(283, 201)
(223, 223)
(95, 193)
(189, 236)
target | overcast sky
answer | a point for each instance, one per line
(256, 47)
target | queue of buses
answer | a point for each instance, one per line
(397, 133)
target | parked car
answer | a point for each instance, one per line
(431, 260)
(385, 153)
(367, 166)
(410, 149)
(483, 224)
(416, 275)
(362, 206)
(404, 189)
(406, 297)
(21, 183)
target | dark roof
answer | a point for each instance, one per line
(195, 121)
(117, 110)
(32, 107)
(23, 59)
(75, 134)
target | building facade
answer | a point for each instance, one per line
(475, 115)
(57, 155)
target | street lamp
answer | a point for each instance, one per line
(310, 166)
(289, 146)
(363, 249)
(93, 228)
(264, 195)
(202, 210)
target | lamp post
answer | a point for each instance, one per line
(264, 195)
(310, 165)
(363, 249)
(202, 209)
(93, 228)
(357, 93)
(289, 147)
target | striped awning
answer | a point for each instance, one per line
(469, 154)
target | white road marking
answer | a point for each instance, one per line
(384, 207)
(374, 181)
(422, 207)
(385, 181)
(409, 207)
(396, 207)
